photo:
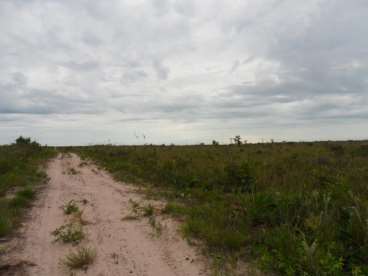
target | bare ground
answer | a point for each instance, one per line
(123, 246)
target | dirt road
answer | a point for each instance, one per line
(122, 246)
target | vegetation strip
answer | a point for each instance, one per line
(20, 174)
(294, 208)
(72, 232)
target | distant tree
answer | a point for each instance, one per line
(215, 143)
(237, 140)
(23, 141)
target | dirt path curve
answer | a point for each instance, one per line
(123, 247)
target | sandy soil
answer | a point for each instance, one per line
(123, 247)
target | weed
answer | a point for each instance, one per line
(70, 207)
(135, 207)
(148, 210)
(156, 225)
(69, 233)
(81, 259)
(72, 171)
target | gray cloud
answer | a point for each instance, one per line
(161, 70)
(195, 69)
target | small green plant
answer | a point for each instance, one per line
(134, 204)
(69, 233)
(148, 211)
(81, 259)
(156, 225)
(70, 207)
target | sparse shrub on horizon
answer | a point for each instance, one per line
(215, 143)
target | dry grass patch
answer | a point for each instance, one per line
(69, 233)
(81, 259)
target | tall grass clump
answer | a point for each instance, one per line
(294, 208)
(80, 259)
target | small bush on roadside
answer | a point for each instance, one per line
(148, 211)
(69, 233)
(81, 259)
(70, 207)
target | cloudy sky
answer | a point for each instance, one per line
(183, 71)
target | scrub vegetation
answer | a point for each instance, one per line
(69, 233)
(20, 173)
(82, 258)
(293, 208)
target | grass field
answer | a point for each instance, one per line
(293, 208)
(19, 176)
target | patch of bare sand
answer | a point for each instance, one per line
(123, 247)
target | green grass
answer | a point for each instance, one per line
(20, 174)
(175, 209)
(293, 208)
(6, 219)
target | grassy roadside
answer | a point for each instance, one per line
(294, 208)
(19, 175)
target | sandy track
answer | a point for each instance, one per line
(124, 247)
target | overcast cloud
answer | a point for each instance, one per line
(183, 71)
